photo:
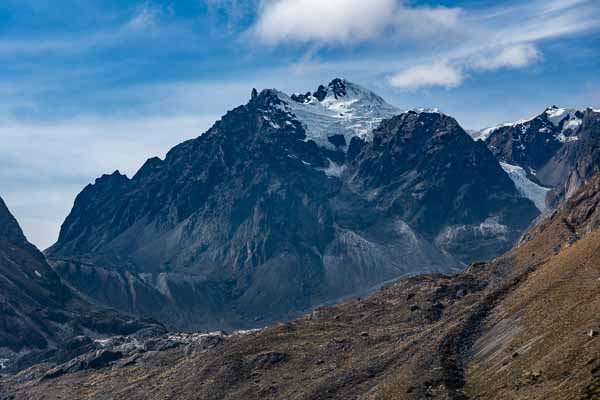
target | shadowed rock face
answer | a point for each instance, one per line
(523, 326)
(39, 316)
(424, 168)
(255, 222)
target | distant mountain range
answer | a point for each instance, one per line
(286, 203)
(558, 150)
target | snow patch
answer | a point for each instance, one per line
(525, 186)
(569, 120)
(433, 110)
(573, 124)
(37, 273)
(334, 169)
(566, 139)
(556, 114)
(488, 228)
(4, 362)
(491, 226)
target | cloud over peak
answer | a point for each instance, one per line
(348, 22)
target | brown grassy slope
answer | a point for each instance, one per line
(515, 328)
(536, 343)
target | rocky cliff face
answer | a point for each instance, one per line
(285, 203)
(424, 168)
(40, 318)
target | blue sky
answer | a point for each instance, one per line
(90, 86)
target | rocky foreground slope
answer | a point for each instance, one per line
(41, 320)
(287, 203)
(524, 326)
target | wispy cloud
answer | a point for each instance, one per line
(143, 20)
(518, 56)
(439, 73)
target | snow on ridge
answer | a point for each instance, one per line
(487, 132)
(555, 115)
(525, 186)
(433, 110)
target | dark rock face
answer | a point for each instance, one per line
(252, 223)
(557, 148)
(424, 168)
(530, 144)
(40, 318)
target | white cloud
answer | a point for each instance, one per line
(440, 73)
(350, 22)
(517, 56)
(338, 21)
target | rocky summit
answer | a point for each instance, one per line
(286, 203)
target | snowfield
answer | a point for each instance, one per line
(525, 186)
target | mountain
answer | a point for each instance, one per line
(286, 203)
(523, 326)
(556, 150)
(41, 320)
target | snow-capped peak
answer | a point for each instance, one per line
(342, 108)
(564, 124)
(420, 110)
